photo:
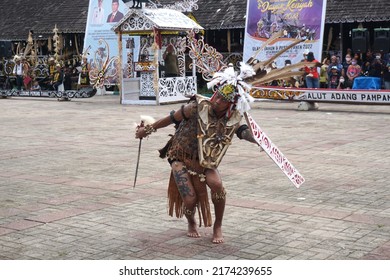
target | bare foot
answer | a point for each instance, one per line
(192, 230)
(217, 235)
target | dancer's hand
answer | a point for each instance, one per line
(140, 132)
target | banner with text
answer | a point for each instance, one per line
(298, 19)
(101, 42)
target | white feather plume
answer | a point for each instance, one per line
(229, 76)
(147, 119)
(246, 71)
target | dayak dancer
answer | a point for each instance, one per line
(204, 130)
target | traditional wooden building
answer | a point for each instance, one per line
(40, 17)
(355, 24)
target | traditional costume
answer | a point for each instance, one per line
(203, 136)
(202, 139)
(84, 73)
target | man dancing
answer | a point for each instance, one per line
(204, 130)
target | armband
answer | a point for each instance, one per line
(240, 130)
(173, 120)
(182, 113)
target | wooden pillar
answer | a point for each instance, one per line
(157, 38)
(229, 41)
(341, 42)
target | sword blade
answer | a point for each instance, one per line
(136, 168)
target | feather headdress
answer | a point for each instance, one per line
(232, 86)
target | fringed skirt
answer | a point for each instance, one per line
(175, 202)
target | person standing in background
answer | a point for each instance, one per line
(334, 78)
(312, 75)
(84, 74)
(352, 72)
(27, 75)
(334, 62)
(68, 77)
(171, 64)
(346, 63)
(58, 77)
(18, 72)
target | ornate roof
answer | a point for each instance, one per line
(215, 14)
(20, 16)
(221, 14)
(341, 11)
(163, 19)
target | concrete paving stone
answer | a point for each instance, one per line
(358, 247)
(381, 233)
(237, 242)
(305, 255)
(382, 252)
(203, 257)
(8, 246)
(323, 251)
(291, 251)
(268, 256)
(262, 246)
(250, 256)
(55, 216)
(21, 225)
(7, 212)
(328, 256)
(212, 255)
(14, 256)
(357, 255)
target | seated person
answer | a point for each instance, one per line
(171, 63)
(36, 86)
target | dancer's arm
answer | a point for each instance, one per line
(174, 117)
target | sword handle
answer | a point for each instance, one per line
(142, 124)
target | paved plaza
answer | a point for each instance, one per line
(67, 171)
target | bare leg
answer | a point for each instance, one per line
(218, 197)
(219, 208)
(192, 226)
(187, 193)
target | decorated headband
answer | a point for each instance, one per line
(232, 87)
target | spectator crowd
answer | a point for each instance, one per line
(337, 73)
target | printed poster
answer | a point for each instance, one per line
(297, 19)
(103, 15)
